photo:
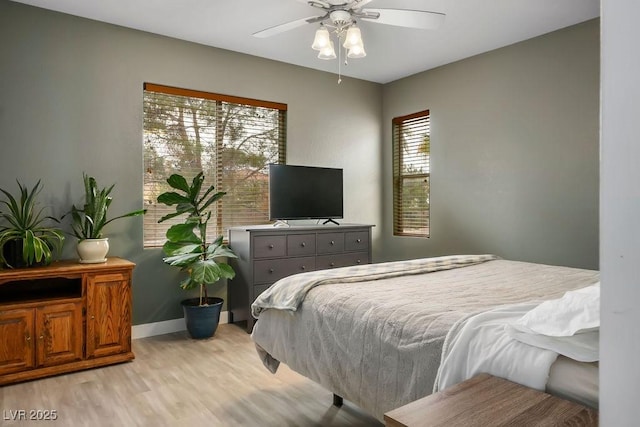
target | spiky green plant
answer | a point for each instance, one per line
(25, 225)
(89, 222)
(186, 246)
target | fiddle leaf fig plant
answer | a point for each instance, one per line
(187, 246)
(25, 229)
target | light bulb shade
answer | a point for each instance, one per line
(356, 52)
(328, 52)
(353, 37)
(322, 39)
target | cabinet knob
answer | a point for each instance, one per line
(303, 244)
(93, 317)
(271, 270)
(303, 268)
(332, 264)
(27, 337)
(332, 243)
(358, 240)
(41, 337)
(358, 261)
(270, 246)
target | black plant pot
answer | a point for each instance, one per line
(12, 252)
(202, 320)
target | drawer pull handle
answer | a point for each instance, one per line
(270, 246)
(358, 241)
(41, 337)
(303, 244)
(271, 270)
(332, 243)
(28, 338)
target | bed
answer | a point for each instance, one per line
(375, 334)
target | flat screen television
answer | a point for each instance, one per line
(304, 192)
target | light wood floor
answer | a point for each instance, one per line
(177, 381)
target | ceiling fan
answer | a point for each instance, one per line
(341, 14)
(341, 17)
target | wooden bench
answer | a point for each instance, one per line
(486, 400)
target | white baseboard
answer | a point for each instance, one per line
(166, 327)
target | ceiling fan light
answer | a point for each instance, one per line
(353, 37)
(327, 52)
(322, 39)
(356, 52)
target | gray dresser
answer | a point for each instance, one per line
(267, 253)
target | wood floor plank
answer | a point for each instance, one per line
(177, 381)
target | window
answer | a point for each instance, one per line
(411, 148)
(231, 139)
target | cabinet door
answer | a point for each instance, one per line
(17, 340)
(108, 314)
(59, 332)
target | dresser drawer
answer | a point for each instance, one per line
(270, 270)
(301, 244)
(342, 260)
(356, 241)
(330, 243)
(269, 246)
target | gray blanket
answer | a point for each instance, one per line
(378, 343)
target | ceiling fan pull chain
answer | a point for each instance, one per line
(339, 60)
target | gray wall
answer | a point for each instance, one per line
(514, 151)
(620, 211)
(71, 101)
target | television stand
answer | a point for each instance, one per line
(330, 220)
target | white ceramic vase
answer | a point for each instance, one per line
(93, 251)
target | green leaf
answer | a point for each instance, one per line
(172, 198)
(177, 248)
(220, 251)
(182, 260)
(178, 182)
(213, 199)
(182, 233)
(227, 271)
(196, 185)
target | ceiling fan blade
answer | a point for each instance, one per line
(323, 4)
(277, 29)
(420, 19)
(357, 4)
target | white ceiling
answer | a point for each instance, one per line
(470, 27)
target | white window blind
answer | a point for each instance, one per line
(231, 139)
(411, 174)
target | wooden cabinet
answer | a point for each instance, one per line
(108, 314)
(64, 317)
(267, 254)
(16, 348)
(58, 333)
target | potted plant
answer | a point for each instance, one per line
(187, 248)
(88, 223)
(25, 240)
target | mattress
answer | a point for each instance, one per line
(576, 381)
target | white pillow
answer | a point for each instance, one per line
(576, 312)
